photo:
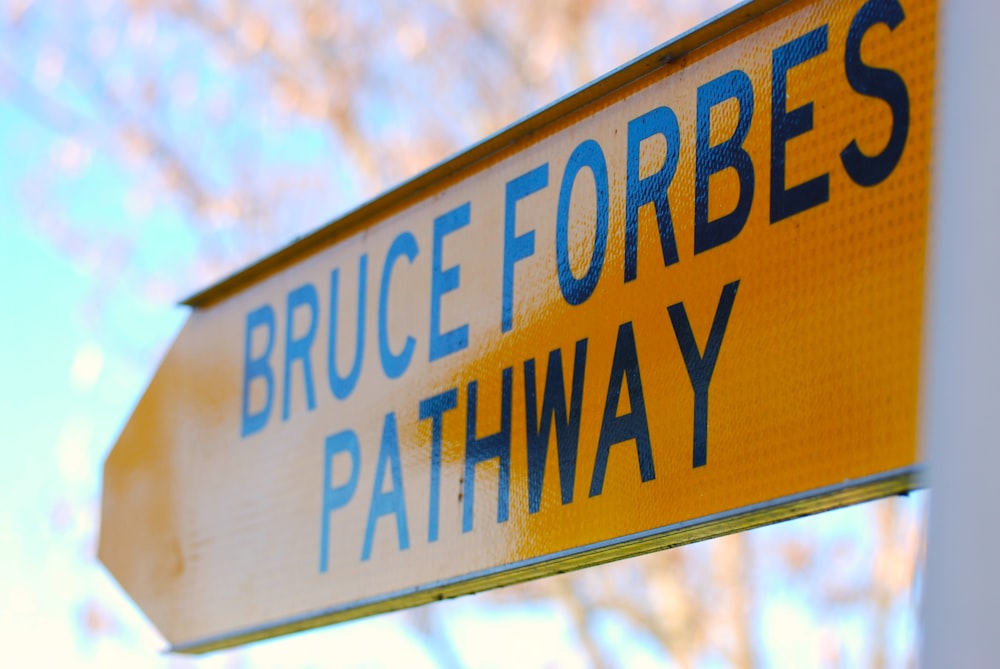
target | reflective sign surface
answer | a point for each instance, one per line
(683, 302)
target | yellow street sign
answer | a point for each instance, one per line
(684, 301)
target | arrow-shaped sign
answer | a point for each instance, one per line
(684, 301)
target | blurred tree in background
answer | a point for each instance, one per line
(245, 124)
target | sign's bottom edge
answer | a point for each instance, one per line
(846, 493)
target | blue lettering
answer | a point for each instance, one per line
(879, 83)
(710, 160)
(651, 189)
(335, 498)
(254, 368)
(701, 366)
(617, 429)
(394, 364)
(298, 349)
(481, 449)
(393, 501)
(786, 124)
(445, 281)
(434, 408)
(342, 386)
(587, 154)
(517, 247)
(567, 424)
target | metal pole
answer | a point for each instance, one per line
(962, 366)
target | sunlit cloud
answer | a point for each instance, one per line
(85, 370)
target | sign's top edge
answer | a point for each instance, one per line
(683, 44)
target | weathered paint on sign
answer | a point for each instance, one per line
(683, 302)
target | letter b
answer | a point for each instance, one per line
(254, 368)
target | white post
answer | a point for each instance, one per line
(961, 402)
